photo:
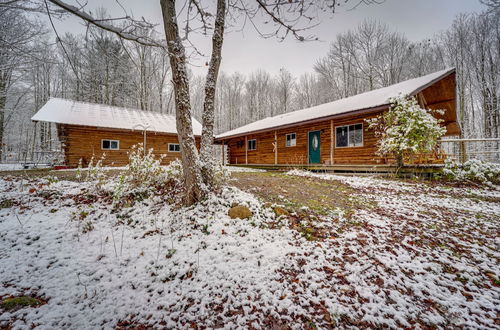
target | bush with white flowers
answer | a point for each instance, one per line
(406, 129)
(93, 172)
(474, 170)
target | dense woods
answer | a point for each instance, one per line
(99, 67)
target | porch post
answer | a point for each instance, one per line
(246, 149)
(222, 145)
(275, 148)
(331, 142)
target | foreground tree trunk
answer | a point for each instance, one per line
(207, 135)
(3, 101)
(189, 155)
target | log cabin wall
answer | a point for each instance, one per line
(298, 154)
(82, 142)
(437, 94)
(365, 154)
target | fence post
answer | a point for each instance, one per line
(463, 150)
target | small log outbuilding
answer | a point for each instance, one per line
(89, 130)
(336, 132)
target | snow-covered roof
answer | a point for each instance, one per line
(371, 99)
(62, 111)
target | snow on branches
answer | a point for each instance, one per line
(406, 129)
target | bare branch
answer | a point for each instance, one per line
(107, 27)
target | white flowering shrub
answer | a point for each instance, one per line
(221, 176)
(406, 129)
(93, 172)
(145, 175)
(474, 170)
(144, 169)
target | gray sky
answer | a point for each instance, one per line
(245, 51)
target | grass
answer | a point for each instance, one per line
(320, 197)
(6, 203)
(306, 200)
(15, 303)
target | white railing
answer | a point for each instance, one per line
(461, 150)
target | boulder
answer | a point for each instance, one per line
(239, 211)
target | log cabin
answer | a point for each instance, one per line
(336, 132)
(88, 130)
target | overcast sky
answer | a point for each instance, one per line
(245, 51)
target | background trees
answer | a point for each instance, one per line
(98, 67)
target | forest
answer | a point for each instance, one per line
(37, 63)
(333, 241)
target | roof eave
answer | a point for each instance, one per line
(113, 128)
(345, 114)
(432, 82)
(308, 121)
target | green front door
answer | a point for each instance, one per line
(314, 147)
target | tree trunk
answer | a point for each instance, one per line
(207, 135)
(399, 160)
(2, 116)
(189, 155)
(4, 83)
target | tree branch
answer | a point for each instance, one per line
(110, 28)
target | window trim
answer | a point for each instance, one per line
(117, 142)
(178, 144)
(286, 140)
(348, 146)
(248, 145)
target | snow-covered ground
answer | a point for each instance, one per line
(420, 256)
(18, 166)
(242, 169)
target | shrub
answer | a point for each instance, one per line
(221, 176)
(93, 172)
(474, 170)
(144, 169)
(406, 129)
(144, 175)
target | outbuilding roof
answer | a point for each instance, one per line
(372, 99)
(63, 111)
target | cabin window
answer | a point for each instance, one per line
(349, 136)
(252, 144)
(291, 140)
(240, 144)
(174, 147)
(110, 144)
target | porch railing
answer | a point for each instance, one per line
(461, 150)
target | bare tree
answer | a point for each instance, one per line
(207, 135)
(16, 35)
(293, 18)
(284, 85)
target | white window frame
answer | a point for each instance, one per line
(248, 145)
(348, 142)
(173, 144)
(294, 140)
(117, 144)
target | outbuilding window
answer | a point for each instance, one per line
(110, 144)
(174, 147)
(291, 140)
(349, 136)
(252, 144)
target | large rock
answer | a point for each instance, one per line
(239, 211)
